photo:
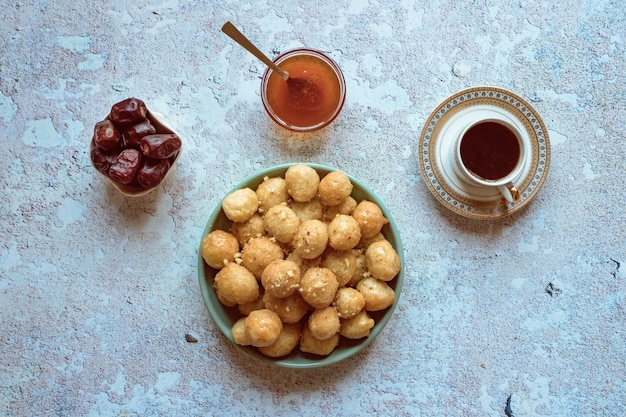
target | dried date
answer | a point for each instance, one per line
(160, 146)
(102, 161)
(128, 112)
(125, 166)
(152, 172)
(134, 134)
(106, 136)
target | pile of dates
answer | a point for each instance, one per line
(128, 148)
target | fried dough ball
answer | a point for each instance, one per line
(240, 205)
(311, 239)
(378, 295)
(357, 327)
(238, 332)
(263, 327)
(344, 232)
(348, 302)
(271, 192)
(286, 342)
(342, 263)
(253, 227)
(309, 344)
(246, 308)
(347, 206)
(219, 248)
(290, 309)
(360, 270)
(259, 252)
(308, 210)
(236, 284)
(382, 260)
(318, 287)
(302, 182)
(324, 323)
(370, 218)
(334, 188)
(366, 241)
(281, 278)
(281, 222)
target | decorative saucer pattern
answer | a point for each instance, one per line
(454, 193)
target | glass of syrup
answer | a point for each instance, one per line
(311, 98)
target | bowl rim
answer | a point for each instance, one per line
(217, 310)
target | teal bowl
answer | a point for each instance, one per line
(225, 317)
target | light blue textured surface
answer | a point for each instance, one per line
(97, 291)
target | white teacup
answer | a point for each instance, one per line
(492, 151)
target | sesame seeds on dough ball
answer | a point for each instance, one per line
(370, 218)
(311, 239)
(302, 182)
(259, 252)
(358, 326)
(286, 342)
(342, 263)
(318, 287)
(219, 248)
(348, 302)
(253, 227)
(382, 260)
(240, 205)
(378, 295)
(236, 284)
(324, 323)
(281, 278)
(281, 222)
(309, 344)
(344, 232)
(263, 327)
(271, 192)
(334, 188)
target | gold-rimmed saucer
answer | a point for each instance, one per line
(435, 148)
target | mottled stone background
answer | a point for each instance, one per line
(98, 290)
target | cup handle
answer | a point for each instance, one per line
(509, 192)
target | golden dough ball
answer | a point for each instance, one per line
(224, 301)
(236, 284)
(238, 332)
(347, 206)
(318, 287)
(358, 326)
(263, 327)
(311, 239)
(348, 302)
(271, 192)
(259, 252)
(360, 270)
(286, 342)
(253, 227)
(382, 260)
(378, 295)
(366, 241)
(342, 263)
(309, 344)
(281, 278)
(324, 323)
(309, 210)
(344, 232)
(240, 205)
(334, 188)
(302, 182)
(219, 248)
(290, 309)
(281, 222)
(370, 218)
(247, 308)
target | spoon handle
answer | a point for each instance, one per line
(238, 37)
